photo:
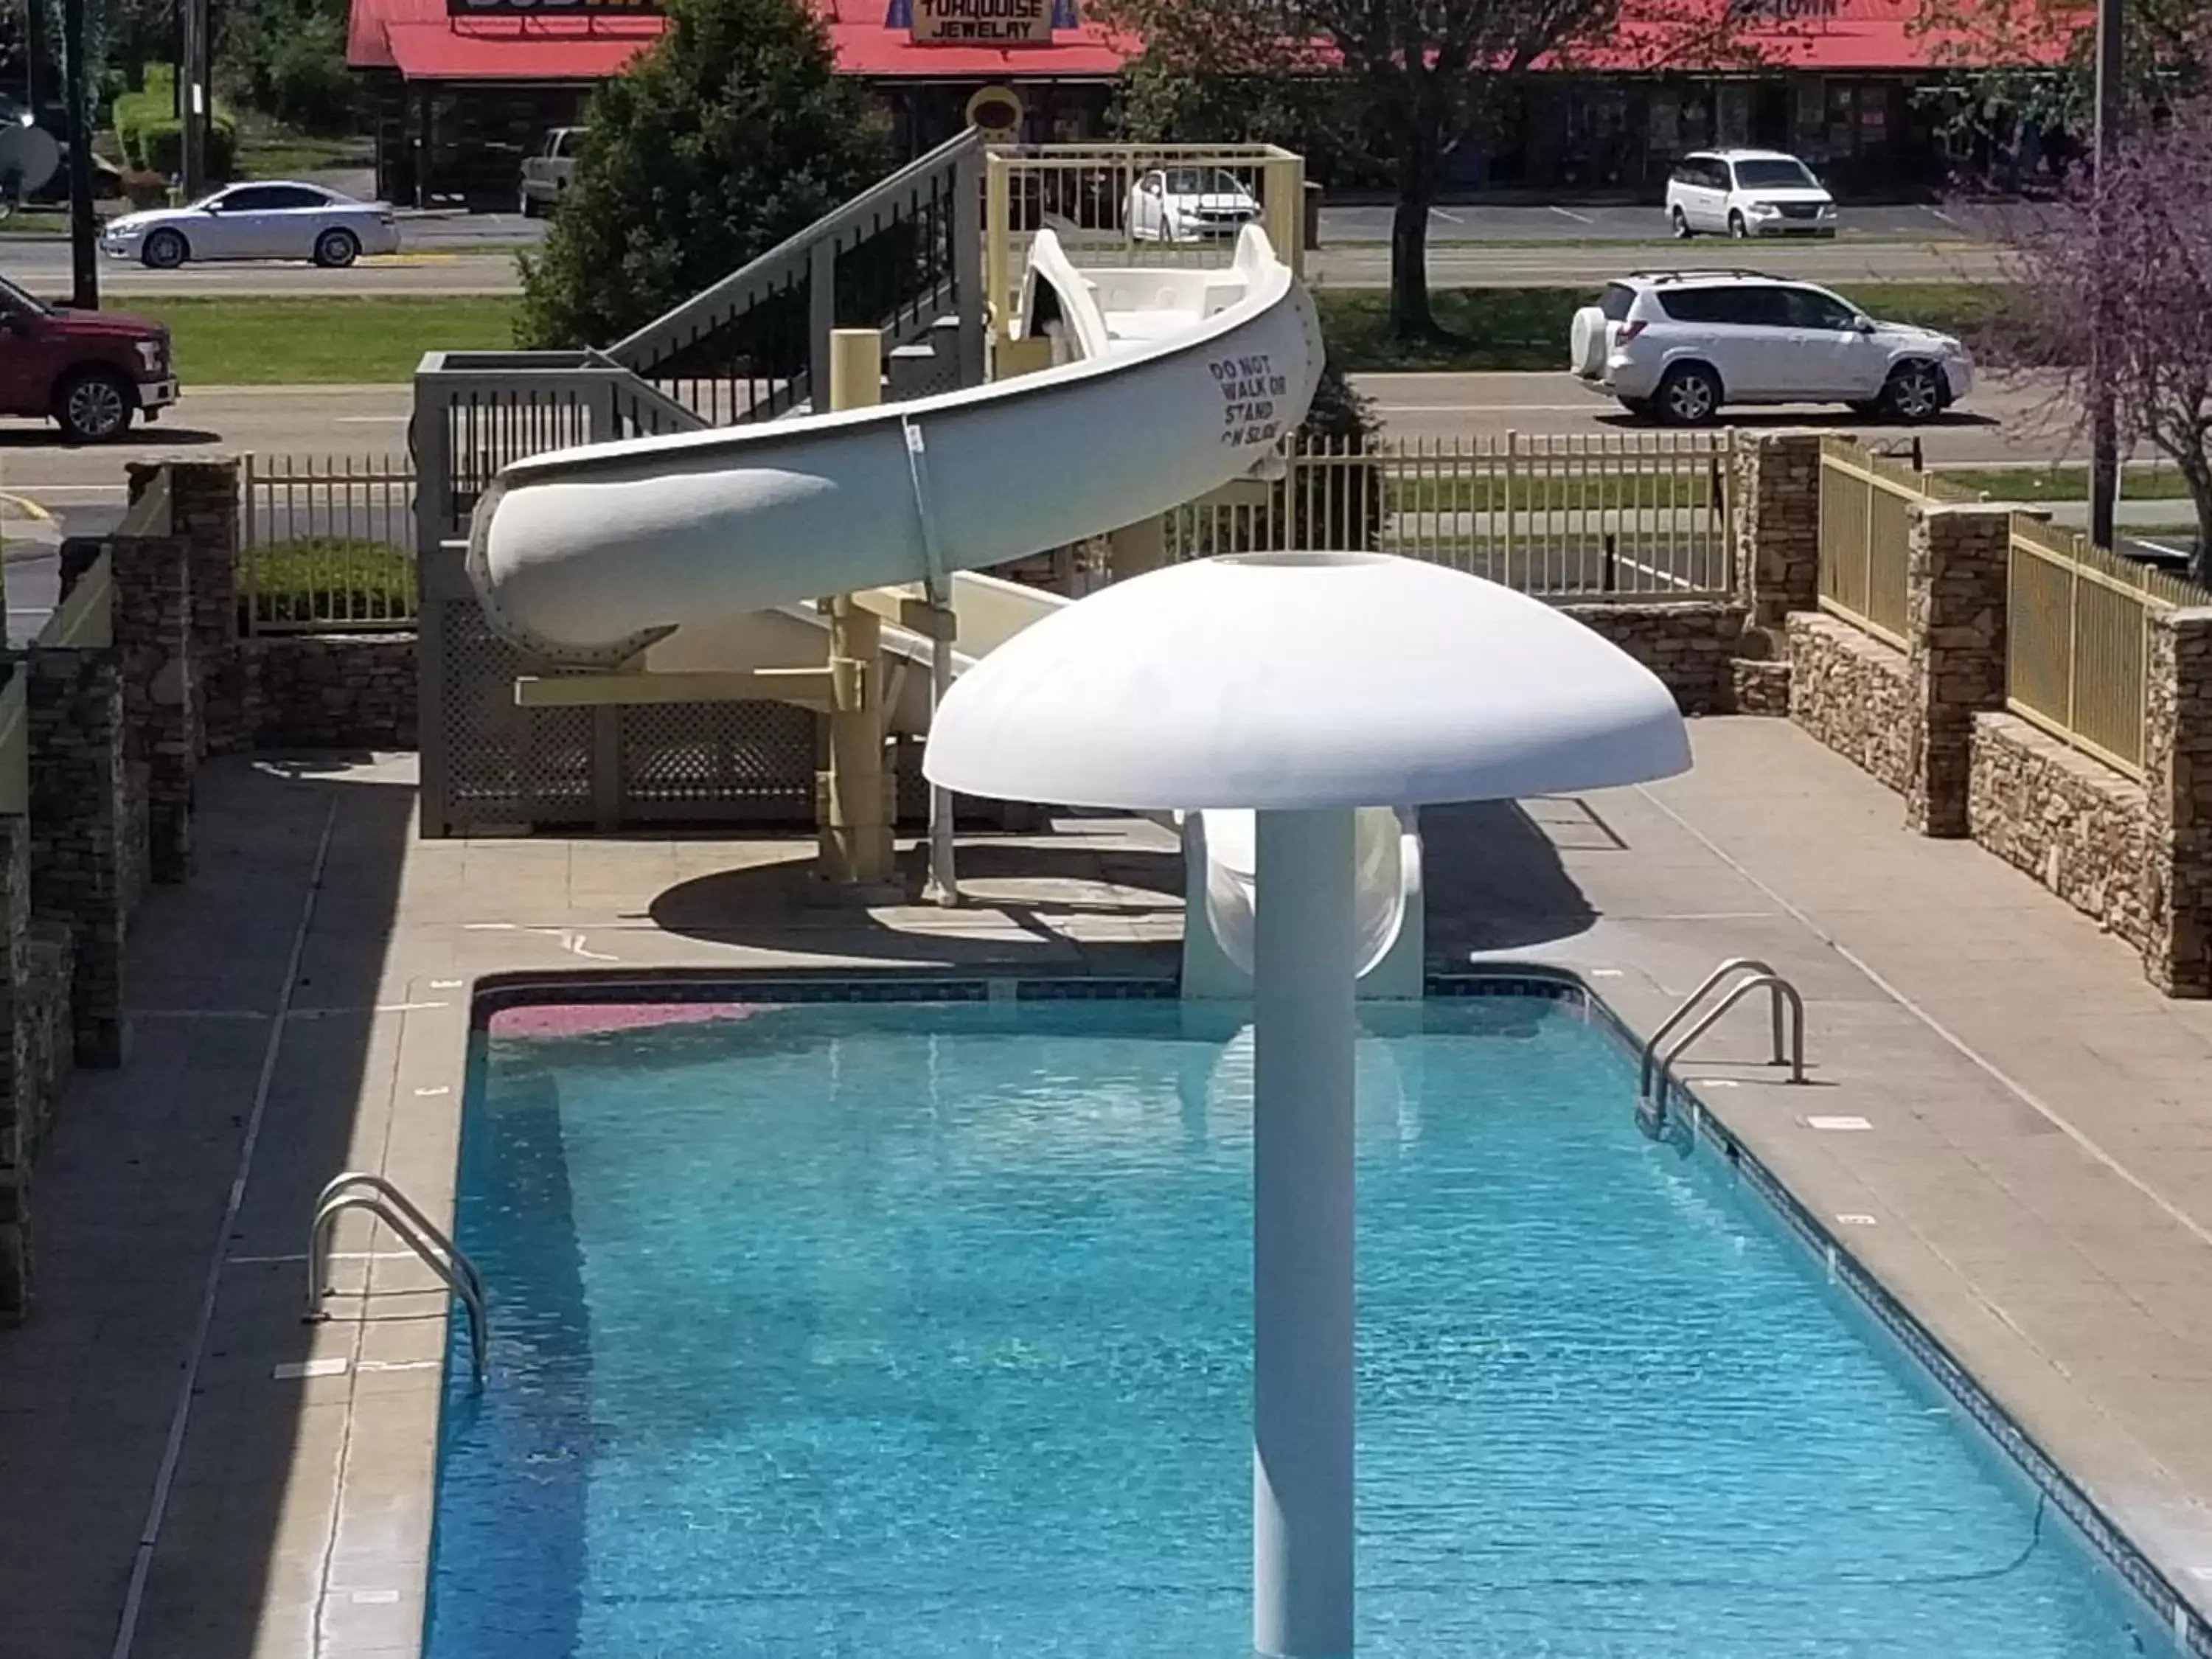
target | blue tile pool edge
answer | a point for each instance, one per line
(496, 993)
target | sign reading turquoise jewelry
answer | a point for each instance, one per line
(979, 22)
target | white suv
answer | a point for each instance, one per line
(1680, 344)
(1747, 193)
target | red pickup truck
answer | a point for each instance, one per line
(87, 371)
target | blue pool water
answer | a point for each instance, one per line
(921, 1330)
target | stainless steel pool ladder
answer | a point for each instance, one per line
(357, 1189)
(1753, 975)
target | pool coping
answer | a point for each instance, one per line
(435, 1048)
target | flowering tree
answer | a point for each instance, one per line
(2114, 294)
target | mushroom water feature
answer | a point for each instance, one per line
(1303, 686)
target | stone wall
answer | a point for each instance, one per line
(331, 691)
(2078, 827)
(1690, 644)
(81, 816)
(23, 1107)
(2178, 775)
(1852, 692)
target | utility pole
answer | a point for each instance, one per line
(34, 37)
(2103, 424)
(84, 289)
(192, 97)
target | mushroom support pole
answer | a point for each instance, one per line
(1302, 1236)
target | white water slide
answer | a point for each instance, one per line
(703, 551)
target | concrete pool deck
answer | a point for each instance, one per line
(2033, 1183)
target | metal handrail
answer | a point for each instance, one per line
(713, 306)
(413, 1229)
(1782, 989)
(1734, 965)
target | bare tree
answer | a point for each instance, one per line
(2123, 261)
(1397, 85)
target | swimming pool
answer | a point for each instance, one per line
(922, 1328)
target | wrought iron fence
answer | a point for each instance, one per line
(1645, 514)
(326, 543)
(2077, 640)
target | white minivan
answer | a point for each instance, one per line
(1747, 193)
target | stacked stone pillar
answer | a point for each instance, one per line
(1777, 527)
(1954, 629)
(203, 515)
(153, 634)
(79, 817)
(2177, 780)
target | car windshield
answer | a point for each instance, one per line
(12, 299)
(1782, 173)
(1201, 181)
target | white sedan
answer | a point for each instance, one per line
(1189, 204)
(270, 219)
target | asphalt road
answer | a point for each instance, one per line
(2010, 422)
(1492, 247)
(44, 268)
(1577, 222)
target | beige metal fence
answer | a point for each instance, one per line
(1632, 513)
(1865, 524)
(2077, 640)
(1131, 205)
(327, 544)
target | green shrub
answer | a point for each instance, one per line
(130, 115)
(163, 144)
(731, 133)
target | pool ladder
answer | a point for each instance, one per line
(1751, 975)
(357, 1189)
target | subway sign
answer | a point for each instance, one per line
(552, 7)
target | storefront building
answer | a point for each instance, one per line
(461, 90)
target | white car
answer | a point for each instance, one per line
(1747, 193)
(1678, 345)
(1189, 204)
(272, 219)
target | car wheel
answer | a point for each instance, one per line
(94, 405)
(1681, 224)
(165, 250)
(523, 205)
(1689, 396)
(1639, 407)
(1914, 393)
(1737, 229)
(336, 249)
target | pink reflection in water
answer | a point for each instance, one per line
(589, 1018)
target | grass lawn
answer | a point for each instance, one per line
(287, 156)
(1527, 328)
(2141, 483)
(40, 222)
(328, 578)
(322, 341)
(1676, 489)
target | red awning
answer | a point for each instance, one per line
(1830, 36)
